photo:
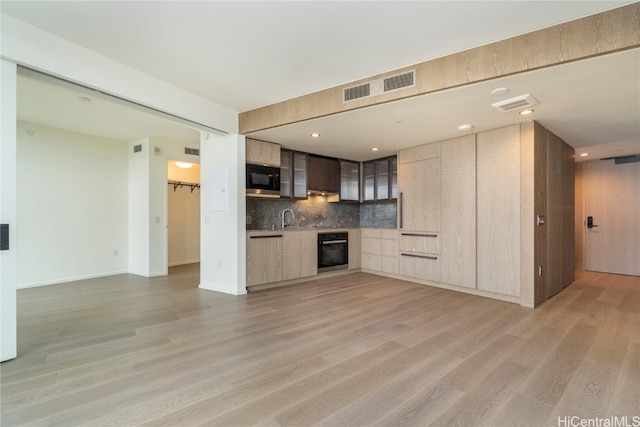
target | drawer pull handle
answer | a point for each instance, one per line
(419, 235)
(435, 258)
(265, 237)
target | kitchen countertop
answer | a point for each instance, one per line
(320, 229)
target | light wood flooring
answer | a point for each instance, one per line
(355, 349)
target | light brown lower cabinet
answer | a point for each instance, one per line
(380, 250)
(264, 257)
(300, 254)
(421, 266)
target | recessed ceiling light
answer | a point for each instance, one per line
(375, 149)
(84, 99)
(184, 165)
(315, 135)
(584, 154)
(500, 91)
(465, 127)
(525, 112)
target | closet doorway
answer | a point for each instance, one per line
(183, 213)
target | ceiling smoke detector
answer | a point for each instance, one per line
(516, 103)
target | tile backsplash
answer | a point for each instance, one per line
(316, 212)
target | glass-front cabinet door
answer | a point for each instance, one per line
(349, 181)
(293, 174)
(369, 180)
(380, 179)
(299, 175)
(393, 175)
(285, 173)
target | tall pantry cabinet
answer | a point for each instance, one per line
(489, 213)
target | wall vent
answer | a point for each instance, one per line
(517, 103)
(379, 86)
(137, 148)
(192, 151)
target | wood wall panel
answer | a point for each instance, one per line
(599, 34)
(555, 217)
(498, 189)
(540, 208)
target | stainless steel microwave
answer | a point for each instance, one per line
(263, 181)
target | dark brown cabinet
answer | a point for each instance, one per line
(323, 174)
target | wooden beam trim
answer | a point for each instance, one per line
(595, 35)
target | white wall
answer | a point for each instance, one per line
(184, 225)
(72, 206)
(222, 239)
(8, 214)
(138, 214)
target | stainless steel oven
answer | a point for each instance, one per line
(333, 251)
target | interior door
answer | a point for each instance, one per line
(612, 217)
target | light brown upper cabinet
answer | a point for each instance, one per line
(262, 153)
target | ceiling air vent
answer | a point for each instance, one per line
(517, 103)
(356, 92)
(379, 86)
(137, 148)
(400, 81)
(192, 151)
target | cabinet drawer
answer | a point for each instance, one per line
(424, 243)
(371, 246)
(389, 264)
(389, 234)
(420, 266)
(371, 262)
(389, 248)
(374, 233)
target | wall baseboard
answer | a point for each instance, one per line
(69, 279)
(175, 264)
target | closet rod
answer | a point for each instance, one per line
(181, 184)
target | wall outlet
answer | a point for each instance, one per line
(219, 263)
(116, 252)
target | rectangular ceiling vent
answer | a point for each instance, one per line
(137, 148)
(192, 151)
(517, 103)
(379, 86)
(356, 92)
(400, 81)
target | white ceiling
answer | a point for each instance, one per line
(244, 55)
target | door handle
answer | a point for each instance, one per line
(590, 223)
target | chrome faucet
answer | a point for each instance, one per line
(284, 212)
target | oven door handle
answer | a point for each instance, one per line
(333, 242)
